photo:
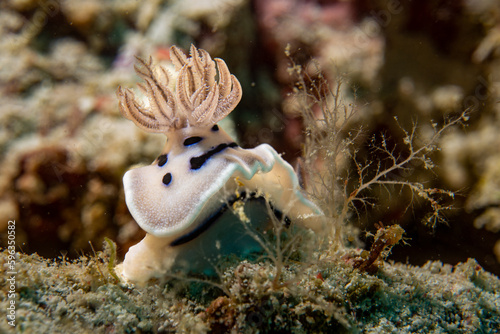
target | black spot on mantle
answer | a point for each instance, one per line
(162, 160)
(198, 162)
(167, 178)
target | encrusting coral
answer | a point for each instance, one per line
(202, 181)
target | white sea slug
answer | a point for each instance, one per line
(183, 200)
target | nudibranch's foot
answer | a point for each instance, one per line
(150, 258)
(228, 231)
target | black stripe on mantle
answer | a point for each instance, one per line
(198, 162)
(205, 225)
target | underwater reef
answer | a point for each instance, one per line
(386, 110)
(330, 296)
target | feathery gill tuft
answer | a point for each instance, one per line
(197, 100)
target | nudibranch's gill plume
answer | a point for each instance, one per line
(198, 99)
(185, 200)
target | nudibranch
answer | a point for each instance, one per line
(186, 197)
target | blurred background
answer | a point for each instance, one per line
(64, 146)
